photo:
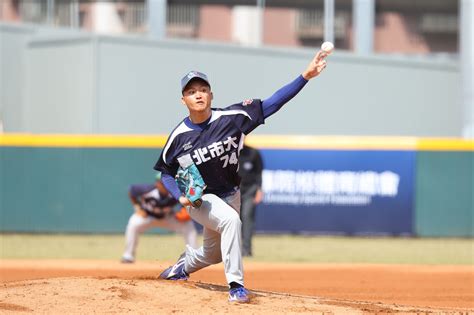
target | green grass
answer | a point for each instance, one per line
(383, 250)
(54, 246)
(284, 248)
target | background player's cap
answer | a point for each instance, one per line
(158, 176)
(193, 75)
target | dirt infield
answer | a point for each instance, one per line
(80, 286)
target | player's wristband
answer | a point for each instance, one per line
(170, 184)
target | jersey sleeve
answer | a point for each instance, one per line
(166, 168)
(272, 104)
(167, 163)
(248, 115)
(171, 186)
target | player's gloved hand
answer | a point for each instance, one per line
(184, 201)
(182, 215)
(191, 184)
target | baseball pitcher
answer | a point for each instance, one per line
(209, 141)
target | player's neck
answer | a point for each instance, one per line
(199, 117)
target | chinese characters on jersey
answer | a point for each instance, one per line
(226, 150)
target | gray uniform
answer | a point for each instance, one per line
(221, 236)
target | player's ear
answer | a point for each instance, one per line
(182, 100)
(212, 96)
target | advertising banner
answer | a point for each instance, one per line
(337, 192)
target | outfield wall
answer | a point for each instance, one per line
(316, 185)
(444, 193)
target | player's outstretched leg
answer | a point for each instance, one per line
(136, 225)
(176, 272)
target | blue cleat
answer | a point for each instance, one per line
(239, 295)
(176, 272)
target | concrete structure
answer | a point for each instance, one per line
(467, 62)
(82, 83)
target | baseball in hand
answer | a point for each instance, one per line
(327, 47)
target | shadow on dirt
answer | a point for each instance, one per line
(212, 287)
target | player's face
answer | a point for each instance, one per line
(197, 96)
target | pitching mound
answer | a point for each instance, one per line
(152, 296)
(73, 286)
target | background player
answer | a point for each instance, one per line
(212, 139)
(250, 171)
(154, 207)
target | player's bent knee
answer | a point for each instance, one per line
(215, 260)
(234, 221)
(213, 255)
(232, 218)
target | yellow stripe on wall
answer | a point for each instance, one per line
(93, 141)
(445, 144)
(332, 142)
(361, 143)
(259, 141)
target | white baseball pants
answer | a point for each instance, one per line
(221, 236)
(138, 224)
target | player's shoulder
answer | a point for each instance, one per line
(240, 108)
(242, 104)
(179, 137)
(181, 129)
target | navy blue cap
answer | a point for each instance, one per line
(193, 75)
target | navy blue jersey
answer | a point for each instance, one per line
(214, 145)
(150, 199)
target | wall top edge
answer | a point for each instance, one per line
(42, 35)
(14, 27)
(297, 142)
(58, 40)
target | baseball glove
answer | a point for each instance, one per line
(182, 215)
(191, 184)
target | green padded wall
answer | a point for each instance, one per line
(84, 190)
(70, 189)
(444, 194)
